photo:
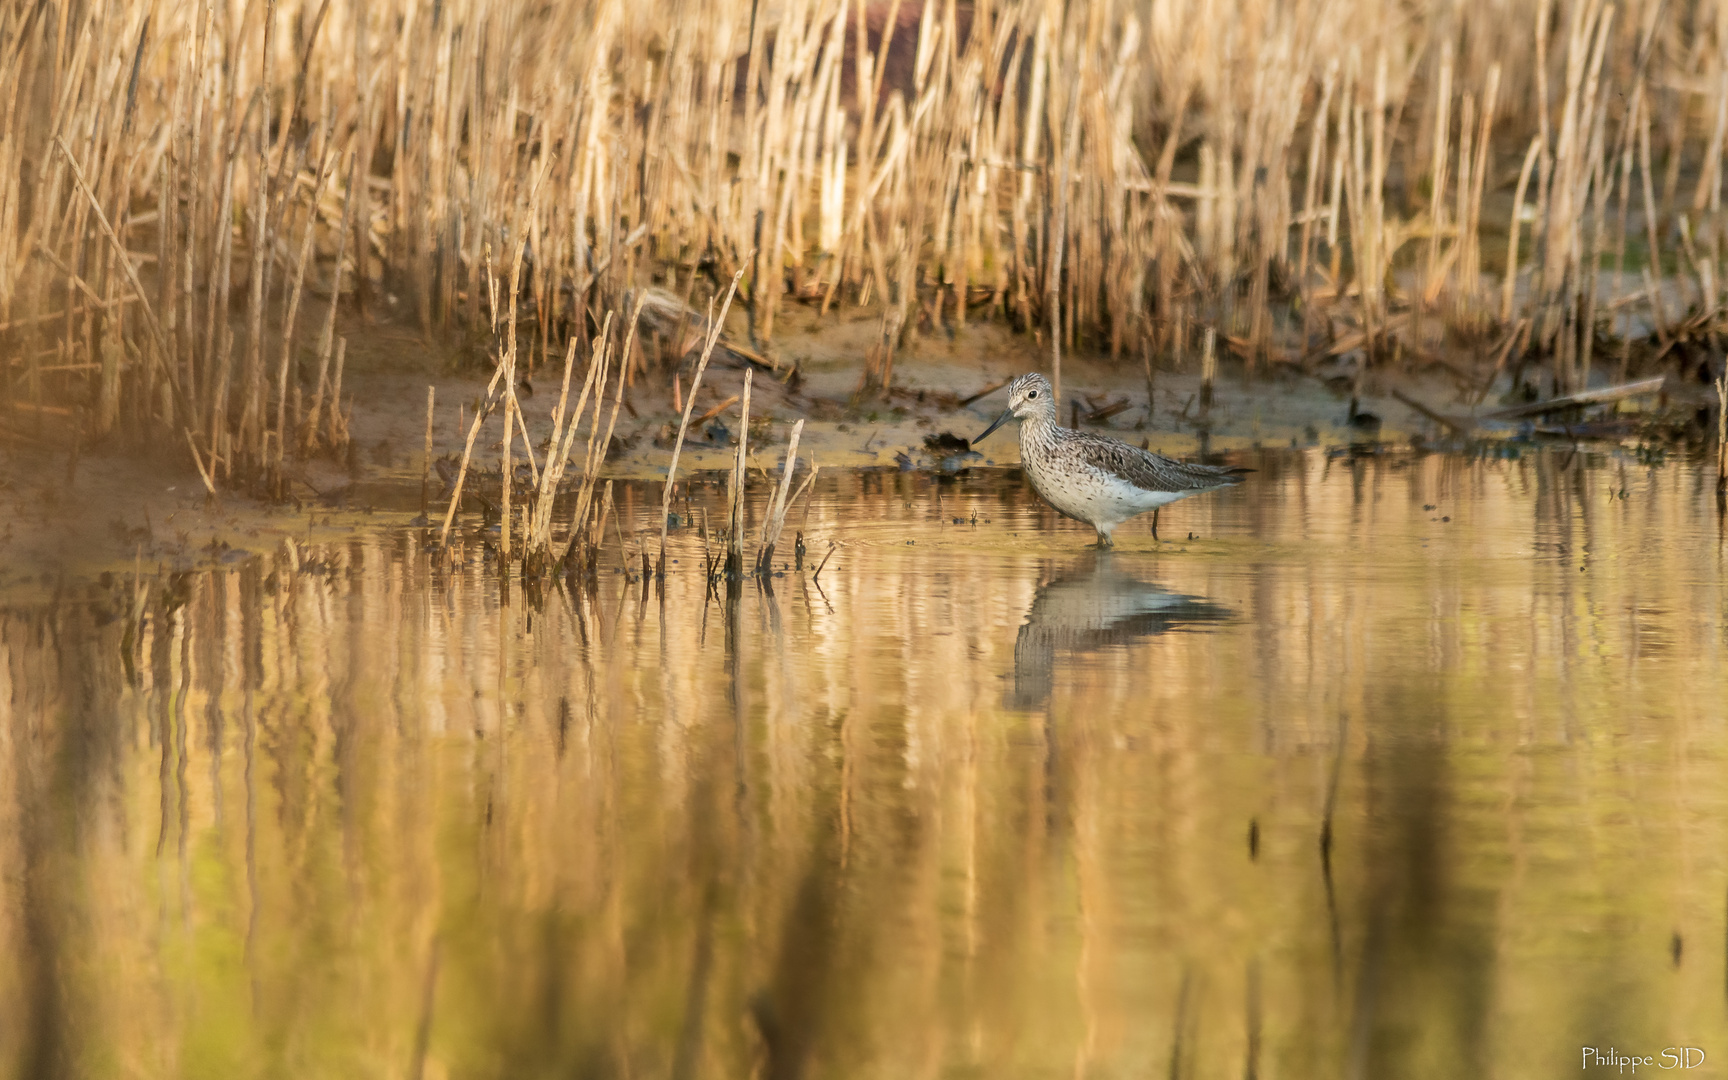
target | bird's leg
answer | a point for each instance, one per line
(1155, 510)
(1104, 540)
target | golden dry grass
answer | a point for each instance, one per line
(180, 184)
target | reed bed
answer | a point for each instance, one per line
(196, 200)
(533, 497)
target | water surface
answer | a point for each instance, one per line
(1406, 766)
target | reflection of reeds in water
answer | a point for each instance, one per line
(181, 188)
(289, 785)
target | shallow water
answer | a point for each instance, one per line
(1402, 766)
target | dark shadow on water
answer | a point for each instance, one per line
(1095, 603)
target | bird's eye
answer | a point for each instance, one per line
(1031, 393)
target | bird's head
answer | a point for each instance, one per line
(1028, 396)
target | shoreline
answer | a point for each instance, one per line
(78, 511)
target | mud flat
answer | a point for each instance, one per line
(74, 511)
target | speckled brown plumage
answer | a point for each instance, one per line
(1094, 478)
(1144, 469)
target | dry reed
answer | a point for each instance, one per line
(774, 521)
(735, 509)
(713, 337)
(1722, 432)
(1103, 173)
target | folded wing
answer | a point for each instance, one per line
(1155, 472)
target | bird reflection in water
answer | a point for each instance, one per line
(1095, 604)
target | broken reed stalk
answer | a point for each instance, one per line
(598, 534)
(775, 521)
(480, 414)
(582, 517)
(1652, 227)
(1722, 431)
(203, 473)
(832, 544)
(714, 327)
(597, 450)
(809, 482)
(1471, 262)
(326, 341)
(1508, 291)
(1208, 368)
(539, 538)
(288, 324)
(1432, 272)
(707, 559)
(156, 336)
(426, 459)
(618, 529)
(521, 431)
(336, 432)
(598, 445)
(564, 439)
(735, 488)
(513, 407)
(803, 521)
(597, 367)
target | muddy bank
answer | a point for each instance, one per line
(74, 511)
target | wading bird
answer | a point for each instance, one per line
(1094, 478)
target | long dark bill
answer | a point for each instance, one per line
(1007, 415)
